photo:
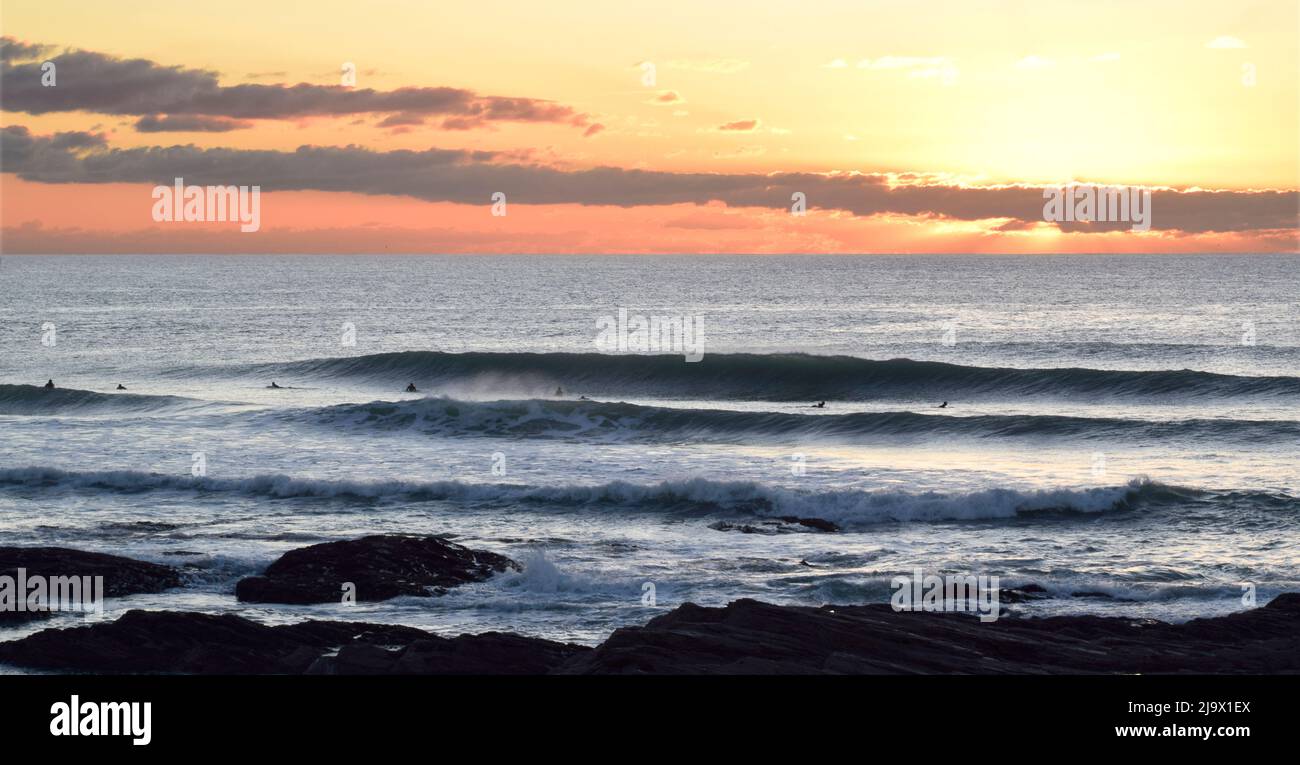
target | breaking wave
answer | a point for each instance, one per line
(846, 508)
(764, 377)
(36, 400)
(616, 421)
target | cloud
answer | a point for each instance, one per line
(902, 62)
(837, 63)
(189, 123)
(710, 65)
(739, 126)
(926, 67)
(743, 152)
(667, 98)
(470, 177)
(402, 119)
(17, 50)
(1034, 62)
(97, 82)
(1225, 41)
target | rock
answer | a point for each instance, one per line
(749, 637)
(381, 567)
(192, 643)
(745, 637)
(1022, 594)
(490, 653)
(122, 576)
(817, 524)
(785, 524)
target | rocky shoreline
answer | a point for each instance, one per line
(743, 637)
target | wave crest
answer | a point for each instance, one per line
(697, 496)
(765, 377)
(37, 400)
(619, 421)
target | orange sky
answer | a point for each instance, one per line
(970, 97)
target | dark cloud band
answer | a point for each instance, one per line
(97, 82)
(470, 177)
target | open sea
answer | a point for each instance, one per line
(1121, 430)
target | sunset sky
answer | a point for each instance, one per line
(910, 126)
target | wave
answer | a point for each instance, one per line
(761, 377)
(697, 496)
(617, 421)
(36, 400)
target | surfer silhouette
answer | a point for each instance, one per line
(49, 384)
(273, 385)
(559, 391)
(120, 386)
(819, 405)
(411, 388)
(944, 405)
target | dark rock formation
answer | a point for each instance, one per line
(745, 637)
(784, 524)
(191, 643)
(1022, 594)
(490, 653)
(122, 576)
(381, 567)
(749, 637)
(170, 641)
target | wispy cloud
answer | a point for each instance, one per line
(902, 62)
(739, 126)
(667, 98)
(1225, 41)
(189, 123)
(1034, 62)
(710, 65)
(925, 67)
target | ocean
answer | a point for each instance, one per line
(1123, 431)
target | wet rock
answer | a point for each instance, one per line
(1022, 594)
(785, 524)
(490, 653)
(380, 566)
(192, 643)
(817, 524)
(749, 637)
(122, 576)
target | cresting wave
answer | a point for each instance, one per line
(697, 496)
(617, 421)
(36, 400)
(761, 377)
